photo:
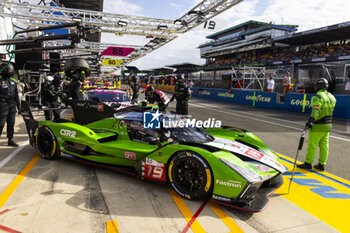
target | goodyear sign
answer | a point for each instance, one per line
(111, 62)
(226, 95)
(258, 98)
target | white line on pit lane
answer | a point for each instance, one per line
(12, 154)
(255, 119)
(274, 118)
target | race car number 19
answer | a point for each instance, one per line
(155, 171)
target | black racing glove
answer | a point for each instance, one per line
(310, 123)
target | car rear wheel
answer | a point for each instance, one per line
(46, 143)
(190, 175)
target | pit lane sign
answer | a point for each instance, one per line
(212, 26)
(111, 62)
(117, 51)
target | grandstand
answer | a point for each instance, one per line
(307, 55)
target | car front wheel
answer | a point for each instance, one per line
(190, 175)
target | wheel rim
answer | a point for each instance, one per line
(190, 175)
(45, 143)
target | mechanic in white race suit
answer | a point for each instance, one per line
(270, 84)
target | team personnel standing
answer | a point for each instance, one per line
(270, 84)
(51, 90)
(75, 86)
(157, 96)
(287, 82)
(8, 101)
(134, 84)
(182, 95)
(320, 124)
(77, 69)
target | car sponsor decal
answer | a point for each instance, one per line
(153, 170)
(263, 168)
(229, 183)
(68, 133)
(130, 155)
(67, 155)
(221, 198)
(237, 147)
(100, 107)
(254, 154)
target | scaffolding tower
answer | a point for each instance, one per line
(252, 77)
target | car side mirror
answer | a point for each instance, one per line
(151, 140)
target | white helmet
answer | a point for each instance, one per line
(49, 78)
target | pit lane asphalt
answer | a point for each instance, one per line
(63, 196)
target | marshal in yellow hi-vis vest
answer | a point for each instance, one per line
(111, 62)
(320, 124)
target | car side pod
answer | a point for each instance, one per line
(259, 200)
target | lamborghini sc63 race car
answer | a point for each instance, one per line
(228, 165)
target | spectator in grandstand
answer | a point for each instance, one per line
(287, 81)
(270, 84)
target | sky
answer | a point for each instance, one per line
(307, 14)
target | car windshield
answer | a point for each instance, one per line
(188, 134)
(108, 97)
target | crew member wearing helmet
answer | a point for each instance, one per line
(77, 69)
(182, 95)
(157, 96)
(8, 101)
(51, 89)
(320, 124)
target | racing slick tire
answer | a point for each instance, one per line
(190, 175)
(46, 143)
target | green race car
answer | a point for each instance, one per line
(228, 165)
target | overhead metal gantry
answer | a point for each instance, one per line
(88, 46)
(161, 31)
(98, 21)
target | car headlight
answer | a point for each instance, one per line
(246, 174)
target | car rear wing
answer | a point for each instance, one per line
(28, 118)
